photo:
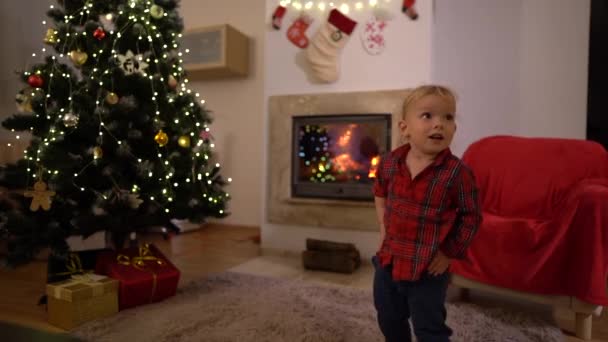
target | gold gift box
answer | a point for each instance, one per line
(76, 301)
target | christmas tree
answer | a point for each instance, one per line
(118, 141)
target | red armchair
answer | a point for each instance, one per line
(544, 234)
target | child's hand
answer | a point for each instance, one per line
(382, 236)
(439, 264)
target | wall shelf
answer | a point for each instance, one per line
(216, 52)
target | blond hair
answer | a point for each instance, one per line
(425, 90)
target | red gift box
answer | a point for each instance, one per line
(145, 275)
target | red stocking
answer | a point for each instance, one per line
(297, 31)
(277, 17)
(409, 10)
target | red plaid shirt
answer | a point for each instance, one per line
(437, 210)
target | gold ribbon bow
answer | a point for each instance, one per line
(78, 276)
(63, 291)
(139, 261)
(74, 266)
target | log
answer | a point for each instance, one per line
(324, 245)
(341, 262)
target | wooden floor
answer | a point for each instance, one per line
(211, 249)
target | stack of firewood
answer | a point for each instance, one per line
(331, 256)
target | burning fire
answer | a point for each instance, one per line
(340, 153)
(344, 139)
(374, 167)
(344, 162)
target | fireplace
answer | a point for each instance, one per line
(336, 156)
(334, 199)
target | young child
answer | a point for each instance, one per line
(427, 206)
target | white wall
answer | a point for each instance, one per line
(519, 67)
(236, 104)
(406, 62)
(476, 51)
(554, 68)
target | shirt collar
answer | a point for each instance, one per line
(441, 157)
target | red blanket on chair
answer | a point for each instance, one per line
(545, 227)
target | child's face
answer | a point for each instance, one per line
(429, 124)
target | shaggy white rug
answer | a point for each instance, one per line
(240, 307)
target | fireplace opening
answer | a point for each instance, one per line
(336, 156)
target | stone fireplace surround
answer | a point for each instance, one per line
(284, 209)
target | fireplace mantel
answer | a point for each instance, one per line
(282, 208)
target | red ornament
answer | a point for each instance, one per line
(205, 135)
(35, 81)
(99, 34)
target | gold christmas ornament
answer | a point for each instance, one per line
(112, 98)
(41, 197)
(97, 152)
(50, 37)
(184, 141)
(161, 138)
(78, 57)
(157, 12)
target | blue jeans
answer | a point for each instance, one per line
(422, 301)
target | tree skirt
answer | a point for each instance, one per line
(240, 307)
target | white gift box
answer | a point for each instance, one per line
(98, 240)
(183, 226)
(186, 226)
